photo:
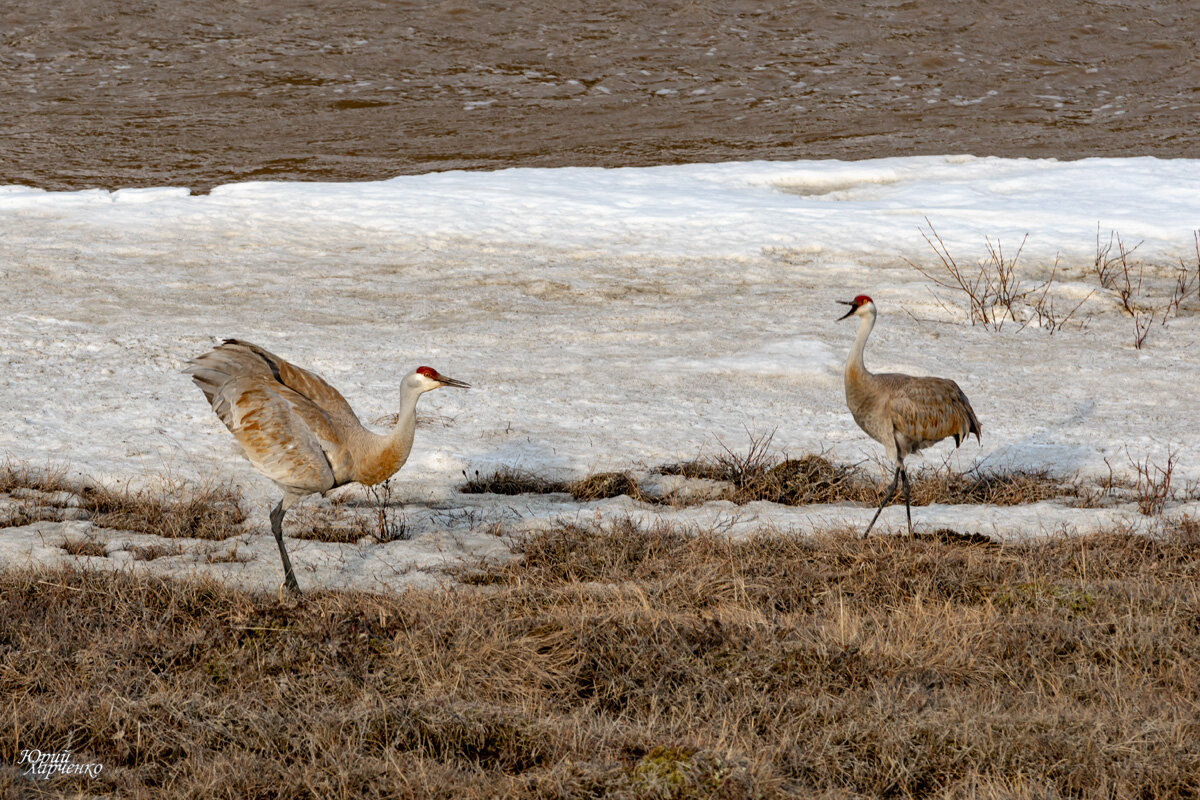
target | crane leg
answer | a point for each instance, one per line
(277, 529)
(887, 498)
(907, 492)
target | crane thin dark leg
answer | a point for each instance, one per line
(907, 492)
(887, 498)
(277, 529)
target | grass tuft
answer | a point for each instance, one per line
(755, 475)
(183, 511)
(174, 509)
(151, 552)
(84, 547)
(598, 486)
(607, 484)
(510, 481)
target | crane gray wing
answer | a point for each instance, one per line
(236, 358)
(290, 446)
(927, 410)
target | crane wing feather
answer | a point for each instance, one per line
(284, 417)
(275, 439)
(927, 410)
(237, 358)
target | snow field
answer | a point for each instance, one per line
(608, 319)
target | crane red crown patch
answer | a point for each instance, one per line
(862, 299)
(428, 372)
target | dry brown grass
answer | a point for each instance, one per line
(151, 552)
(195, 512)
(794, 481)
(598, 486)
(633, 663)
(173, 508)
(609, 484)
(340, 523)
(756, 475)
(510, 481)
(20, 475)
(997, 487)
(348, 518)
(85, 547)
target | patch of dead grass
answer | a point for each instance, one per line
(348, 519)
(172, 509)
(16, 475)
(510, 481)
(994, 487)
(152, 552)
(598, 486)
(602, 485)
(176, 511)
(758, 475)
(631, 662)
(338, 523)
(84, 547)
(815, 479)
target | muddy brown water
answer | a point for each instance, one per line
(195, 94)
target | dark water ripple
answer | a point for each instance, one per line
(150, 93)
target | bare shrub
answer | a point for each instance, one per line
(389, 522)
(349, 519)
(1152, 482)
(1146, 483)
(1187, 282)
(1128, 282)
(1048, 315)
(1117, 275)
(994, 290)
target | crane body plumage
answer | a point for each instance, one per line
(904, 413)
(298, 430)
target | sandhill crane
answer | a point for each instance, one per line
(298, 430)
(904, 413)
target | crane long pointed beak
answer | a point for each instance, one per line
(452, 382)
(853, 308)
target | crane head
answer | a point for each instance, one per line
(855, 304)
(438, 379)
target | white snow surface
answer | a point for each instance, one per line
(606, 319)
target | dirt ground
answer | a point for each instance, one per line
(155, 92)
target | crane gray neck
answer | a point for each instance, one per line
(410, 393)
(865, 323)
